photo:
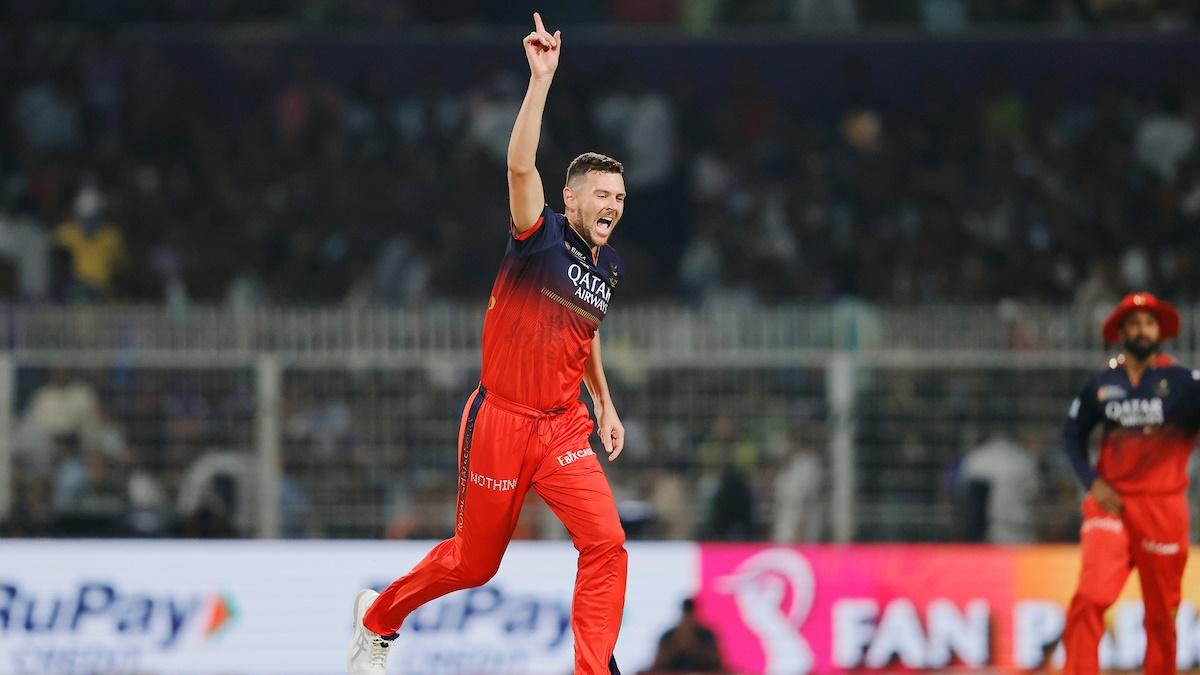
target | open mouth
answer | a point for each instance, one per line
(604, 225)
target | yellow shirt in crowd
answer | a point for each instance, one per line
(95, 257)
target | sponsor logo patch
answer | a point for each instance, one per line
(589, 287)
(1136, 412)
(497, 484)
(570, 457)
(1159, 547)
(575, 252)
(1103, 524)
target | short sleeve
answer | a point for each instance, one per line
(547, 231)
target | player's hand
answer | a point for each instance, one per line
(541, 48)
(1106, 496)
(611, 432)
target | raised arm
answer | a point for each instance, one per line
(608, 423)
(526, 197)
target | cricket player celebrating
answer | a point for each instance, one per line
(1135, 512)
(525, 427)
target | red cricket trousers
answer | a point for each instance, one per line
(1151, 534)
(504, 449)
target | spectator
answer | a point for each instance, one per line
(649, 140)
(307, 106)
(731, 511)
(799, 515)
(491, 109)
(672, 501)
(1011, 479)
(1165, 137)
(47, 115)
(25, 246)
(689, 647)
(217, 496)
(64, 406)
(150, 510)
(90, 498)
(96, 247)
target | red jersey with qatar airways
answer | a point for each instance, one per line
(546, 305)
(1149, 429)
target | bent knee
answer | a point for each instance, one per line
(1100, 599)
(477, 575)
(607, 540)
(474, 566)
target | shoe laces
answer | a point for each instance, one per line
(379, 651)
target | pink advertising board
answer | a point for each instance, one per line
(829, 609)
(823, 609)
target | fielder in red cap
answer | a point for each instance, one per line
(1135, 513)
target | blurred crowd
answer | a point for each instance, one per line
(692, 14)
(245, 174)
(710, 454)
(241, 173)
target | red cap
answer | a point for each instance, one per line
(1165, 312)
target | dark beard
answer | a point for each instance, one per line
(1141, 350)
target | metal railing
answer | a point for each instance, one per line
(345, 419)
(653, 328)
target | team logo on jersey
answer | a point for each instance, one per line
(1109, 392)
(612, 274)
(1164, 389)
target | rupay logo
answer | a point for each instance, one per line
(102, 606)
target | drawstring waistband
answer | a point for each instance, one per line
(518, 408)
(539, 417)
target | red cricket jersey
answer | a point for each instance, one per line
(546, 305)
(1149, 430)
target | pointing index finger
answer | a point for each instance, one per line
(537, 22)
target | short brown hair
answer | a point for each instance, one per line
(592, 161)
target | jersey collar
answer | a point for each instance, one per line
(581, 243)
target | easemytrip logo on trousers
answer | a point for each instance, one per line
(97, 609)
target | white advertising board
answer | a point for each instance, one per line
(71, 607)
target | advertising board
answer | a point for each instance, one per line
(285, 607)
(832, 609)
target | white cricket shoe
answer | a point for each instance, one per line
(369, 651)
